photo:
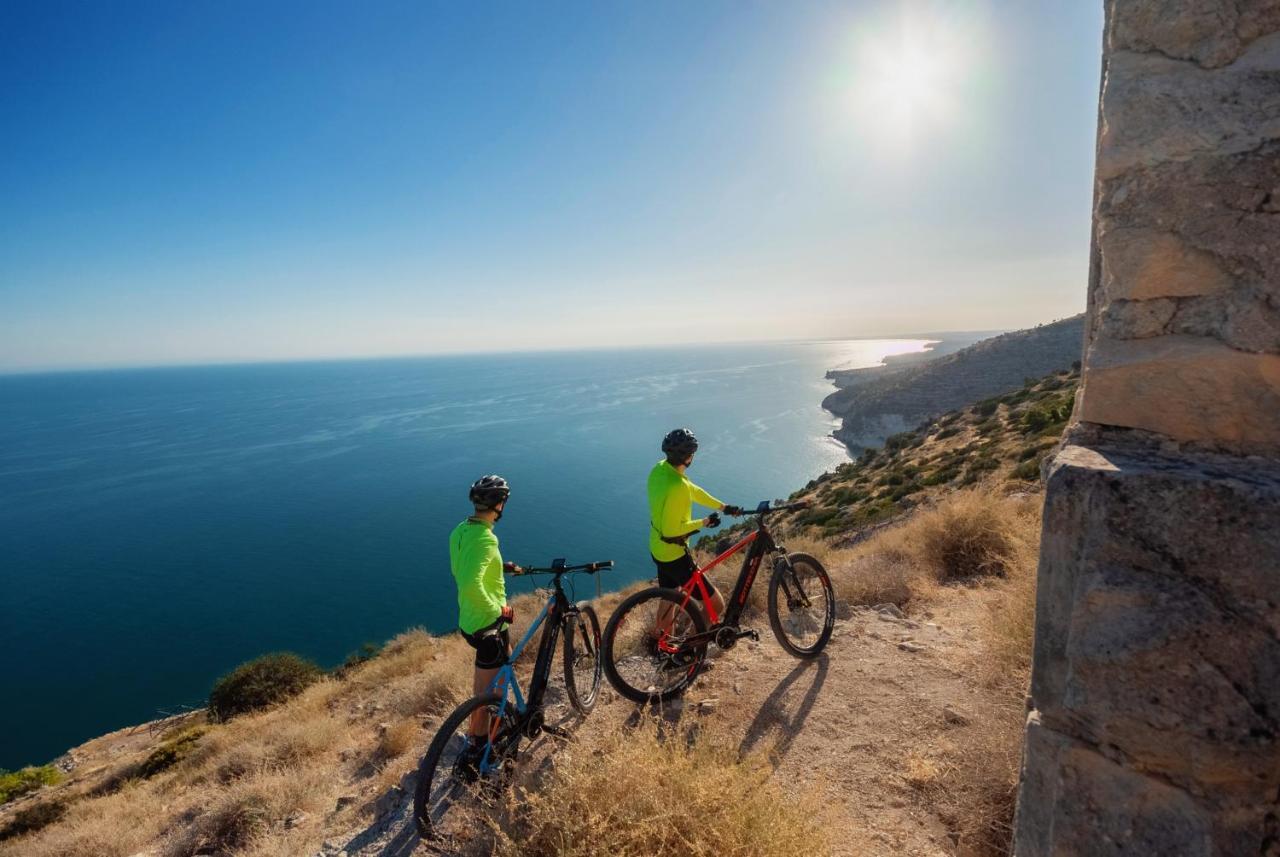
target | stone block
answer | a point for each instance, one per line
(1140, 264)
(1189, 388)
(1075, 801)
(1158, 620)
(1209, 32)
(1155, 724)
(1156, 109)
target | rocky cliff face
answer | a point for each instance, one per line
(874, 404)
(1155, 695)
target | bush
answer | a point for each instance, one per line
(1028, 470)
(986, 407)
(949, 431)
(16, 783)
(171, 752)
(900, 441)
(33, 818)
(942, 475)
(261, 683)
(968, 535)
(651, 793)
(362, 655)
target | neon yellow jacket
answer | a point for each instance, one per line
(477, 569)
(671, 499)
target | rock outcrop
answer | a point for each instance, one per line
(875, 403)
(1155, 696)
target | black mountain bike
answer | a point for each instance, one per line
(657, 639)
(452, 771)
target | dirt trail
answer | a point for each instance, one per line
(847, 724)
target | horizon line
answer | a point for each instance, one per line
(85, 368)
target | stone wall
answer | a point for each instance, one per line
(1154, 723)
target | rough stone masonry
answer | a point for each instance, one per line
(1154, 722)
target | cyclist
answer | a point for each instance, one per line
(484, 617)
(671, 521)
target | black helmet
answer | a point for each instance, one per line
(679, 443)
(489, 491)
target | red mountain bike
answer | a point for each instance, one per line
(657, 639)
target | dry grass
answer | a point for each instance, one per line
(398, 739)
(977, 785)
(973, 533)
(640, 795)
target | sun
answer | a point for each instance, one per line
(907, 77)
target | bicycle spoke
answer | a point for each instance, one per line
(801, 605)
(650, 649)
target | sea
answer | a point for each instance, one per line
(160, 526)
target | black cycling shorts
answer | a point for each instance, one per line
(676, 573)
(491, 645)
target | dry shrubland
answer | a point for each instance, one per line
(647, 792)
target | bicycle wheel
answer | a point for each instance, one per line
(644, 667)
(582, 664)
(452, 778)
(802, 605)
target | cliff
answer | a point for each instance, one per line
(875, 403)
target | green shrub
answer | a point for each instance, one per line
(33, 818)
(986, 407)
(261, 683)
(870, 513)
(16, 783)
(942, 475)
(817, 516)
(949, 431)
(1028, 470)
(848, 496)
(171, 752)
(362, 655)
(900, 441)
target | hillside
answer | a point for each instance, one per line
(900, 739)
(874, 403)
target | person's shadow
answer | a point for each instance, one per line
(773, 712)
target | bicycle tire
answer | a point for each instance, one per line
(825, 622)
(433, 776)
(677, 671)
(584, 628)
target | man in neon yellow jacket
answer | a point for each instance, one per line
(484, 617)
(671, 521)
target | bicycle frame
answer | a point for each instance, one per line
(761, 542)
(505, 683)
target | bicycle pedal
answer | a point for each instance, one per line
(556, 731)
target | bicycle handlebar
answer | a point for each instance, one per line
(558, 567)
(765, 508)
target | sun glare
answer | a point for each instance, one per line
(908, 76)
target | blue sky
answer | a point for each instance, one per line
(240, 181)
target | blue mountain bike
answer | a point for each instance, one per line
(455, 770)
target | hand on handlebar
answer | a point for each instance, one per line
(732, 510)
(712, 520)
(512, 569)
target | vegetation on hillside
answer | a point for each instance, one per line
(1005, 437)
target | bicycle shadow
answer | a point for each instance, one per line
(773, 711)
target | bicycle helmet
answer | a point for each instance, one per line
(679, 444)
(489, 491)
